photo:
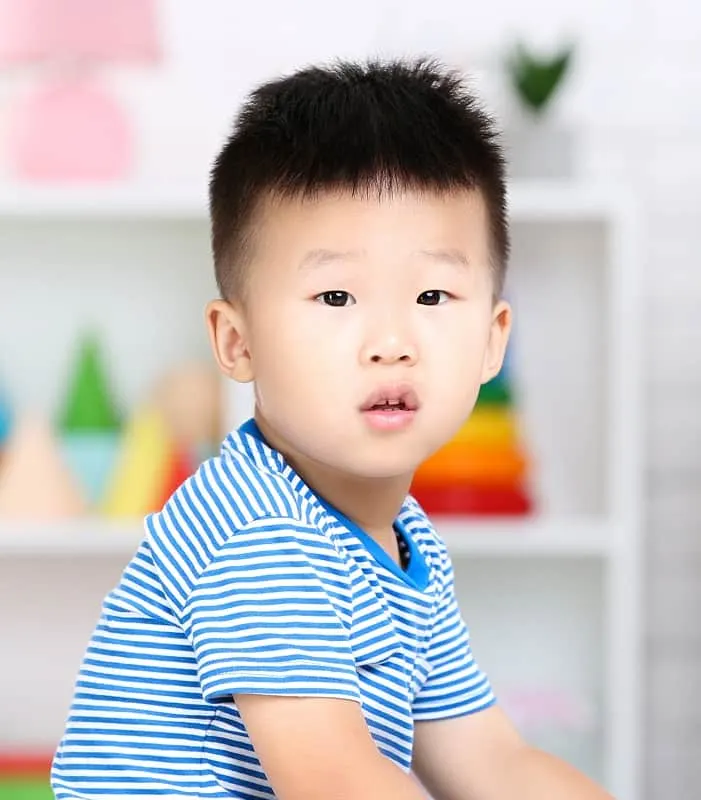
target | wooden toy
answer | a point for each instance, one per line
(35, 481)
(143, 465)
(89, 405)
(464, 499)
(496, 392)
(89, 421)
(180, 468)
(91, 458)
(5, 420)
(190, 398)
(25, 776)
(472, 464)
(488, 426)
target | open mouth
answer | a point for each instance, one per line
(399, 405)
(392, 399)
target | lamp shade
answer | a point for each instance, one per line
(125, 31)
(71, 131)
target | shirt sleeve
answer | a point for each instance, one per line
(455, 684)
(266, 616)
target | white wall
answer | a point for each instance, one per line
(636, 98)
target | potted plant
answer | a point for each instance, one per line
(538, 146)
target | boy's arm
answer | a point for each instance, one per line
(319, 748)
(465, 748)
(266, 633)
(480, 756)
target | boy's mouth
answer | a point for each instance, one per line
(392, 399)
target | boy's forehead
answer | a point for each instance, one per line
(291, 236)
(346, 216)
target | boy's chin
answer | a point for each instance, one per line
(400, 470)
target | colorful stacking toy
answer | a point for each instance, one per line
(483, 470)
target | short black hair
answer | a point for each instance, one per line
(374, 127)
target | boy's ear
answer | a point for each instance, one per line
(498, 339)
(229, 339)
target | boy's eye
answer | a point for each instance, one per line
(338, 299)
(433, 297)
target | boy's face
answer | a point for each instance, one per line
(368, 326)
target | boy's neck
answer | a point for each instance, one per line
(372, 503)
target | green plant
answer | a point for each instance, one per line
(536, 78)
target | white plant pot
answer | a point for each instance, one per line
(539, 148)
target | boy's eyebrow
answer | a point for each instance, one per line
(451, 256)
(322, 257)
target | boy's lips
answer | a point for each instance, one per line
(390, 408)
(392, 398)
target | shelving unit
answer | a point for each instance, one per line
(93, 537)
(530, 201)
(551, 600)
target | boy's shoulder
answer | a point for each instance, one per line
(247, 481)
(246, 487)
(247, 500)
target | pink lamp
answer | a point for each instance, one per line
(72, 129)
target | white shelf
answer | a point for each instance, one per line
(89, 536)
(120, 201)
(566, 537)
(547, 201)
(507, 538)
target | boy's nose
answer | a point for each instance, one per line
(390, 349)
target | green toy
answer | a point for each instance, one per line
(89, 406)
(89, 422)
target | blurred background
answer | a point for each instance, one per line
(570, 500)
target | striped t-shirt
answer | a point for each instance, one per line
(248, 582)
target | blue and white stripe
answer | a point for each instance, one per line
(246, 582)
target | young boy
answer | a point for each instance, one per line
(288, 627)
